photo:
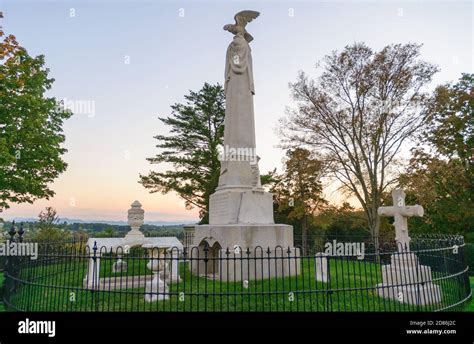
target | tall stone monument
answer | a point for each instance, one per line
(241, 211)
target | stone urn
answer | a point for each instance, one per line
(136, 216)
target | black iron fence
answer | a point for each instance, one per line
(75, 276)
(469, 254)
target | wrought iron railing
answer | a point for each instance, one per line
(72, 276)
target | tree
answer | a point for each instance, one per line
(109, 232)
(440, 174)
(30, 126)
(343, 221)
(357, 116)
(300, 189)
(48, 231)
(450, 121)
(197, 130)
(48, 218)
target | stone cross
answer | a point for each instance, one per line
(400, 212)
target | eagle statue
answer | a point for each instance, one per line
(241, 20)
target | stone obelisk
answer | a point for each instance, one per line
(241, 211)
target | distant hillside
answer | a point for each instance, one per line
(102, 229)
(109, 222)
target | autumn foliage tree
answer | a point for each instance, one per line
(31, 135)
(440, 175)
(358, 114)
(299, 190)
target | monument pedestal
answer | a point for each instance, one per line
(407, 281)
(242, 205)
(239, 252)
(134, 234)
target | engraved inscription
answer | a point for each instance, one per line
(219, 207)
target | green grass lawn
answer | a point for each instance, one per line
(470, 306)
(59, 287)
(2, 309)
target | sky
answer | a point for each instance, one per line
(121, 64)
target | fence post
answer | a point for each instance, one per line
(9, 284)
(21, 231)
(12, 232)
(14, 259)
(206, 260)
(328, 285)
(95, 277)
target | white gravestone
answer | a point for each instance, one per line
(119, 266)
(321, 264)
(405, 279)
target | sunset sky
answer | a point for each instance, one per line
(130, 60)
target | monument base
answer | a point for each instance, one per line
(407, 281)
(242, 252)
